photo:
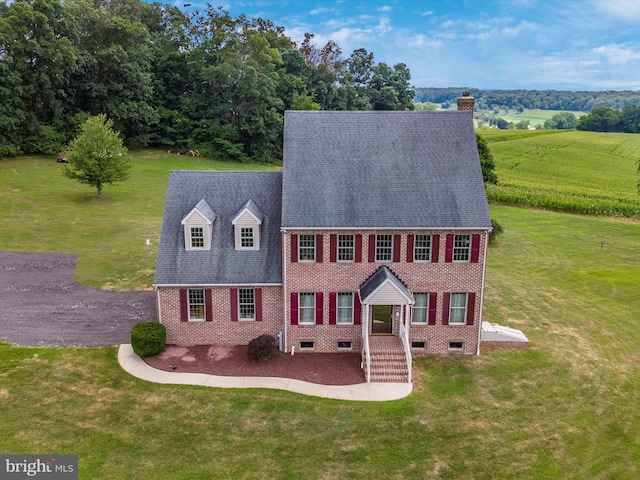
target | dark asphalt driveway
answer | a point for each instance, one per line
(40, 304)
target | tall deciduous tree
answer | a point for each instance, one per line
(97, 156)
(37, 57)
(114, 67)
(561, 121)
(390, 89)
(601, 119)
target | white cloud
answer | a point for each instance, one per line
(337, 24)
(427, 13)
(618, 54)
(321, 10)
(422, 41)
(626, 11)
(520, 28)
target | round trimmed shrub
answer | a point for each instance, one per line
(261, 349)
(148, 338)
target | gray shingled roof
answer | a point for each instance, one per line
(205, 209)
(382, 170)
(378, 278)
(226, 193)
(253, 208)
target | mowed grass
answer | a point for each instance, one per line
(565, 408)
(42, 211)
(580, 172)
(534, 116)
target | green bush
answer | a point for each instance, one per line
(41, 139)
(261, 348)
(497, 230)
(8, 149)
(148, 338)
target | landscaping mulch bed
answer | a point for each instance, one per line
(226, 360)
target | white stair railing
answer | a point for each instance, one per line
(404, 338)
(365, 344)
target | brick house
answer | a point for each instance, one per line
(372, 239)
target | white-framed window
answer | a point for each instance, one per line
(456, 346)
(307, 308)
(384, 248)
(246, 227)
(461, 248)
(196, 304)
(307, 345)
(422, 248)
(197, 237)
(344, 308)
(246, 237)
(420, 308)
(198, 227)
(307, 248)
(458, 309)
(246, 304)
(346, 248)
(345, 345)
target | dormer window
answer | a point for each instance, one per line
(246, 237)
(198, 227)
(197, 237)
(247, 224)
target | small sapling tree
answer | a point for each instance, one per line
(97, 156)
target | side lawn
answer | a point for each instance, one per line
(42, 211)
(565, 408)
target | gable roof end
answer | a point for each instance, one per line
(381, 277)
(253, 210)
(204, 210)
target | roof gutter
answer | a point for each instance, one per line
(285, 294)
(461, 229)
(208, 285)
(484, 272)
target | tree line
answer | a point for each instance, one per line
(583, 101)
(172, 79)
(605, 119)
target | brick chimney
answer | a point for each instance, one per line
(466, 102)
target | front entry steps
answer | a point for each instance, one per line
(388, 361)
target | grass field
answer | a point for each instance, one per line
(566, 408)
(581, 172)
(42, 211)
(534, 116)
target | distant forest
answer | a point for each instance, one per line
(531, 99)
(172, 79)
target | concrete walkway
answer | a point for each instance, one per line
(372, 392)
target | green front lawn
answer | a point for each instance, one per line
(565, 408)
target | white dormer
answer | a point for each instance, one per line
(246, 227)
(198, 227)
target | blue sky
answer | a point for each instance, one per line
(497, 44)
